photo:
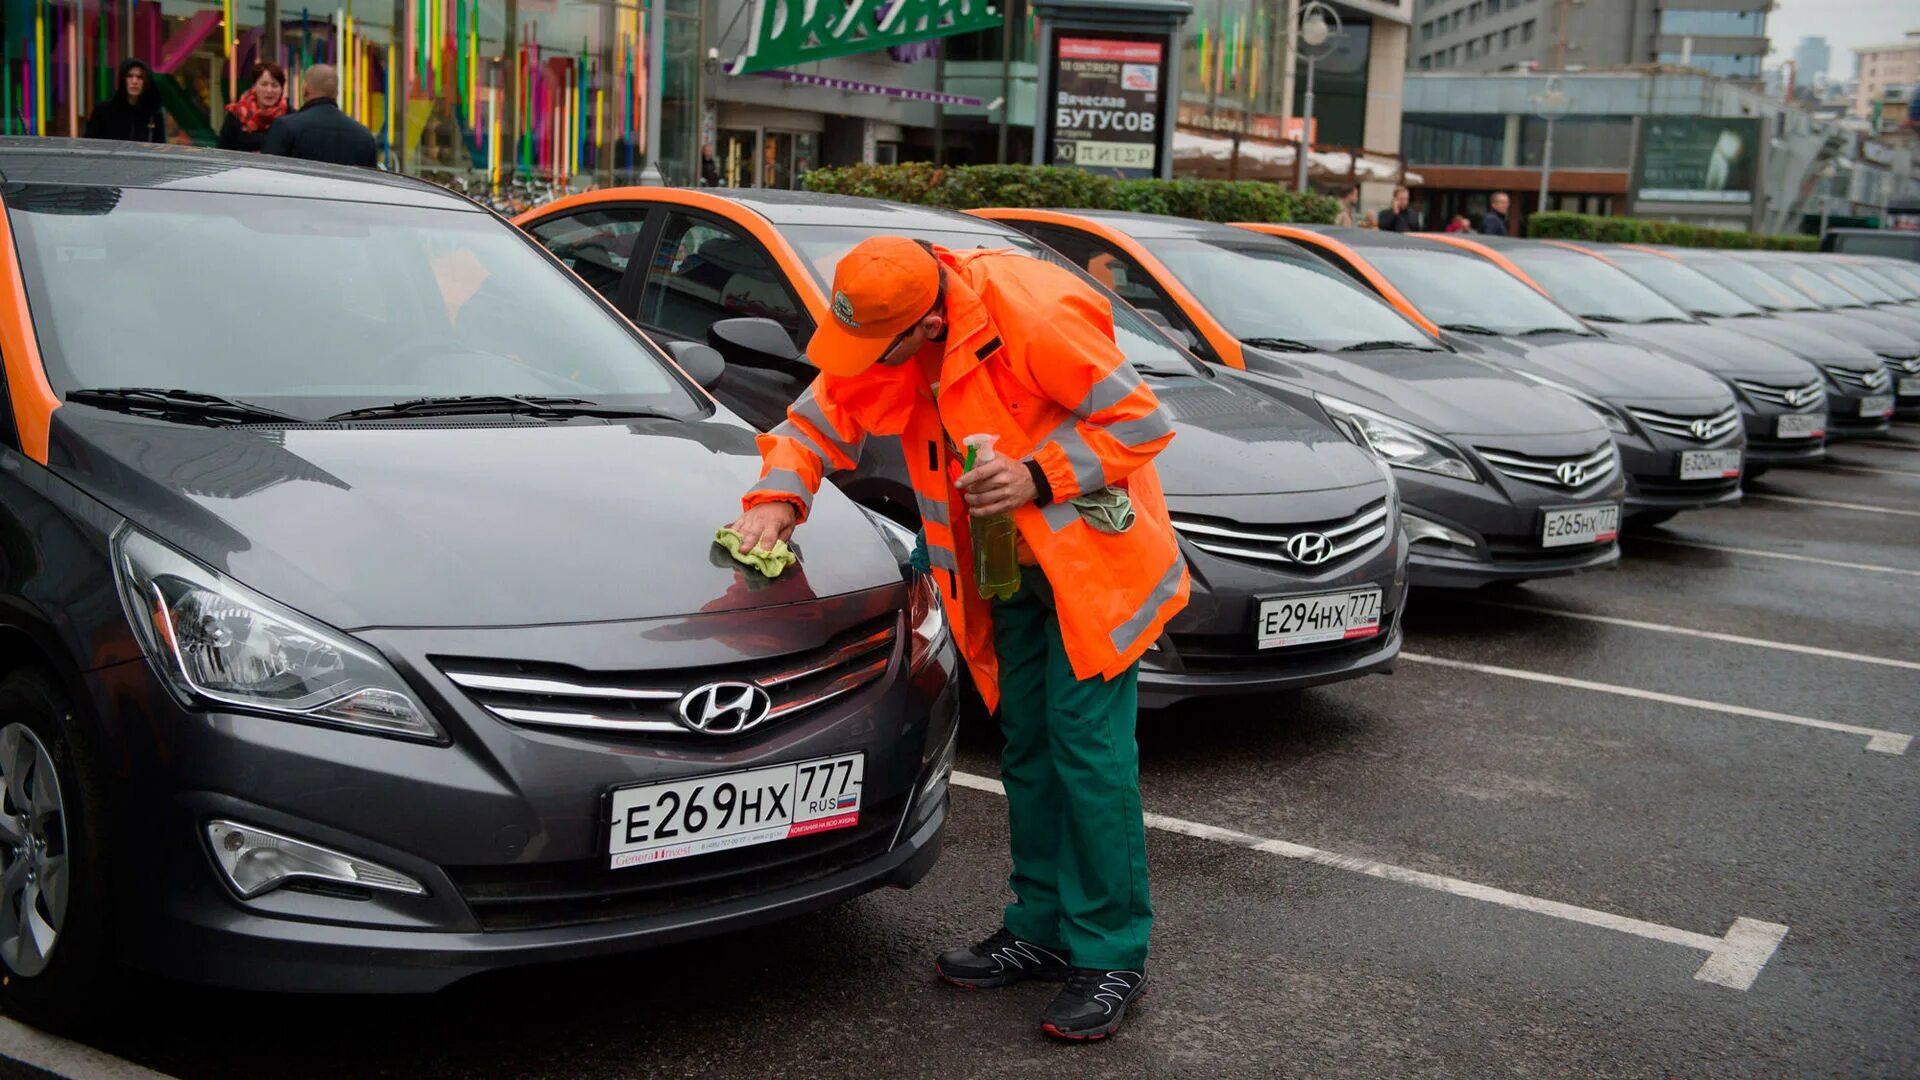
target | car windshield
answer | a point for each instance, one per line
(1265, 289)
(1593, 289)
(1854, 282)
(1453, 289)
(1753, 286)
(315, 306)
(1907, 279)
(1685, 286)
(1824, 293)
(1144, 344)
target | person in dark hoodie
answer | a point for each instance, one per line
(249, 117)
(133, 113)
(320, 131)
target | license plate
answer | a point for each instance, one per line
(1305, 620)
(1877, 405)
(679, 818)
(1801, 425)
(1709, 464)
(1909, 386)
(1581, 525)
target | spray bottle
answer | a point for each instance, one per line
(996, 559)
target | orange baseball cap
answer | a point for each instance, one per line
(881, 288)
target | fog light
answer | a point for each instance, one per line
(1420, 530)
(256, 861)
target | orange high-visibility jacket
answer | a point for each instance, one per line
(1029, 357)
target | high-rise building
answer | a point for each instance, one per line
(1811, 59)
(1885, 67)
(1493, 35)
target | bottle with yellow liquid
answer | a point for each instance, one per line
(996, 556)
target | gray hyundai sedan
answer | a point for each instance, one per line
(380, 637)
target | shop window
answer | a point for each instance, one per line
(1526, 31)
(704, 271)
(597, 245)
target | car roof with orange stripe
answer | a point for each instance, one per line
(1351, 245)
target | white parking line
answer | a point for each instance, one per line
(1862, 507)
(1734, 959)
(1831, 464)
(1756, 552)
(1879, 445)
(1712, 635)
(1885, 742)
(64, 1057)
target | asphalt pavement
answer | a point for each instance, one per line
(1657, 821)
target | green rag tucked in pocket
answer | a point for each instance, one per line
(1109, 510)
(770, 563)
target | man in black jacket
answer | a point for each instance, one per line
(133, 113)
(1495, 223)
(320, 131)
(1400, 217)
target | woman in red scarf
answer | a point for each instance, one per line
(264, 102)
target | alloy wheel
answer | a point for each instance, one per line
(34, 871)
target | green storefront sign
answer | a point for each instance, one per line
(789, 32)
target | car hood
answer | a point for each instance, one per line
(1897, 321)
(1445, 392)
(1613, 371)
(1232, 439)
(1823, 330)
(463, 524)
(1720, 351)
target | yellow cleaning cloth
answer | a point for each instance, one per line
(769, 563)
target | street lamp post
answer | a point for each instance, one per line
(1314, 40)
(652, 175)
(1549, 104)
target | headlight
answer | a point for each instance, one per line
(924, 613)
(216, 642)
(1607, 414)
(1398, 442)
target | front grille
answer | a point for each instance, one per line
(1794, 396)
(647, 702)
(1698, 428)
(1565, 473)
(1869, 381)
(586, 891)
(1910, 365)
(1316, 545)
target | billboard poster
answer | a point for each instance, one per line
(1108, 108)
(1699, 159)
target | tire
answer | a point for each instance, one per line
(78, 982)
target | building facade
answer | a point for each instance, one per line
(1812, 59)
(1727, 38)
(1883, 68)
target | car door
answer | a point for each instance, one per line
(1127, 278)
(596, 244)
(703, 269)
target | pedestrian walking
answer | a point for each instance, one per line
(936, 347)
(133, 113)
(1495, 223)
(255, 110)
(1400, 217)
(319, 131)
(1349, 206)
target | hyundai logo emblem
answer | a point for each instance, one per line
(1798, 397)
(1876, 379)
(1570, 474)
(1309, 549)
(1702, 429)
(724, 708)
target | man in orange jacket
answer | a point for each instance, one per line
(933, 346)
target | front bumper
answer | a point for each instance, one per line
(1905, 373)
(1653, 475)
(1844, 420)
(1502, 520)
(504, 828)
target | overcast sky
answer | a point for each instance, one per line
(1847, 25)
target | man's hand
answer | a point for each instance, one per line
(765, 525)
(999, 486)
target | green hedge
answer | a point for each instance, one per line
(1556, 225)
(968, 187)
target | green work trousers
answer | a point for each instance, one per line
(1072, 774)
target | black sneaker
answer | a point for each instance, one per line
(1092, 1004)
(1001, 960)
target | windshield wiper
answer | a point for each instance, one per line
(1470, 328)
(479, 404)
(185, 404)
(1664, 319)
(1376, 346)
(1602, 318)
(1540, 330)
(1278, 344)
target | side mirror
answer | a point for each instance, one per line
(703, 362)
(1187, 340)
(1155, 317)
(753, 342)
(1184, 337)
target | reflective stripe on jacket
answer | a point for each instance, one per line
(1030, 357)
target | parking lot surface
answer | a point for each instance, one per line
(1658, 821)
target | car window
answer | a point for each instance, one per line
(704, 271)
(1905, 280)
(1854, 282)
(1126, 279)
(596, 244)
(1593, 289)
(340, 304)
(1823, 292)
(1451, 290)
(1686, 287)
(1753, 286)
